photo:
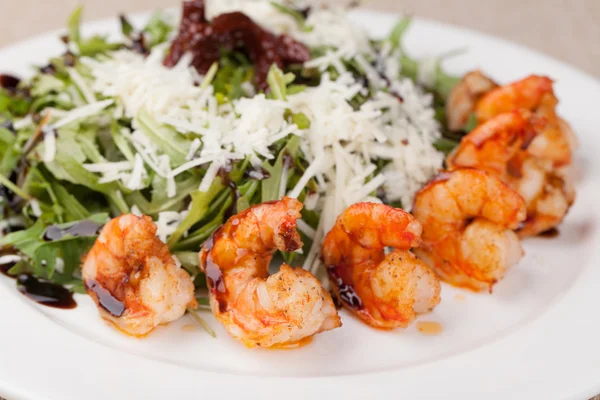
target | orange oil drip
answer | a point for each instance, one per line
(429, 327)
(293, 345)
(189, 328)
(460, 297)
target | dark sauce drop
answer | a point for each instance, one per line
(48, 69)
(214, 275)
(305, 11)
(138, 44)
(4, 268)
(83, 228)
(106, 299)
(9, 82)
(69, 59)
(550, 233)
(258, 173)
(346, 293)
(8, 125)
(235, 193)
(45, 293)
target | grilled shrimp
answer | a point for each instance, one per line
(385, 291)
(556, 141)
(463, 98)
(526, 93)
(133, 278)
(468, 217)
(258, 309)
(503, 147)
(497, 145)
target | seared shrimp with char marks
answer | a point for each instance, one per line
(503, 147)
(556, 141)
(468, 218)
(255, 308)
(133, 278)
(385, 291)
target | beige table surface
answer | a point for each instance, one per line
(567, 30)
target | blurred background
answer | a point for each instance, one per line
(566, 29)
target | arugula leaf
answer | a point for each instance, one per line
(445, 145)
(210, 75)
(167, 139)
(13, 106)
(247, 191)
(234, 69)
(189, 261)
(126, 28)
(471, 123)
(157, 29)
(6, 136)
(21, 239)
(398, 32)
(69, 202)
(121, 142)
(300, 119)
(90, 46)
(44, 254)
(295, 14)
(408, 67)
(194, 239)
(200, 205)
(76, 173)
(270, 186)
(278, 82)
(73, 23)
(45, 84)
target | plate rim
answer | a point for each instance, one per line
(5, 386)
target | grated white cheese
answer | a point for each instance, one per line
(23, 123)
(11, 222)
(49, 144)
(167, 223)
(137, 174)
(86, 92)
(306, 229)
(81, 113)
(59, 265)
(9, 258)
(135, 210)
(342, 143)
(35, 207)
(244, 128)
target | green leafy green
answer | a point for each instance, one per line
(271, 186)
(398, 32)
(13, 106)
(126, 28)
(278, 82)
(167, 139)
(157, 29)
(471, 123)
(445, 145)
(44, 255)
(90, 46)
(200, 204)
(297, 15)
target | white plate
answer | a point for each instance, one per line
(535, 336)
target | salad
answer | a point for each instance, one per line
(277, 100)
